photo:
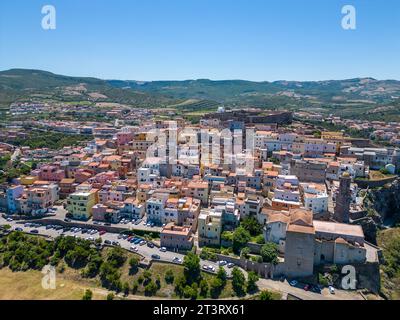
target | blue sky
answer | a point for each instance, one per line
(216, 39)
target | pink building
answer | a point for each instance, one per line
(82, 175)
(176, 237)
(102, 178)
(124, 138)
(51, 173)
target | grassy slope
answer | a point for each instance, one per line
(389, 241)
(27, 285)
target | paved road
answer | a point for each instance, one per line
(60, 214)
(143, 250)
(16, 154)
(285, 288)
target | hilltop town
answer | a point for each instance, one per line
(266, 191)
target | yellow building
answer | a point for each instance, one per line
(80, 203)
(28, 180)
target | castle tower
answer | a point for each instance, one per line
(396, 159)
(343, 199)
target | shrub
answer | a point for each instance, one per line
(322, 280)
(244, 253)
(260, 239)
(135, 287)
(169, 276)
(110, 296)
(87, 295)
(266, 295)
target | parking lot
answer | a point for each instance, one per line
(134, 244)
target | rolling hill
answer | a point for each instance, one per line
(17, 84)
(360, 96)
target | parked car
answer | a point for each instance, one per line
(211, 268)
(163, 249)
(230, 265)
(150, 244)
(116, 243)
(134, 249)
(177, 260)
(9, 219)
(36, 231)
(331, 290)
(155, 256)
(107, 241)
(205, 267)
(222, 263)
(293, 283)
(316, 289)
(102, 232)
(142, 242)
(18, 229)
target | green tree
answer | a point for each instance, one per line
(269, 253)
(252, 226)
(150, 289)
(125, 288)
(252, 279)
(180, 284)
(135, 287)
(221, 274)
(240, 238)
(216, 286)
(191, 264)
(134, 263)
(87, 295)
(189, 292)
(203, 288)
(238, 281)
(227, 236)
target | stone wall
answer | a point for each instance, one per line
(265, 270)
